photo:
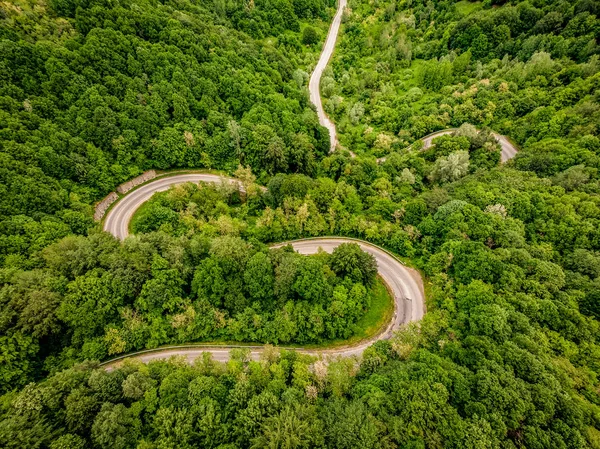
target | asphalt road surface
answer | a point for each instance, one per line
(404, 283)
(118, 218)
(508, 149)
(315, 78)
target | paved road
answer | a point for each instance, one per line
(405, 283)
(118, 218)
(428, 139)
(508, 150)
(315, 78)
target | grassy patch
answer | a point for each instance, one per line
(380, 312)
(139, 212)
(465, 7)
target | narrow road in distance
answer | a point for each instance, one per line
(508, 150)
(315, 78)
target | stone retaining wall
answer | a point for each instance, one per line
(105, 204)
(127, 186)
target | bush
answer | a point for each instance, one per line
(310, 36)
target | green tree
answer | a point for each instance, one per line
(17, 353)
(350, 425)
(163, 292)
(136, 385)
(287, 430)
(80, 407)
(114, 427)
(310, 36)
(348, 259)
(451, 168)
(259, 278)
(68, 441)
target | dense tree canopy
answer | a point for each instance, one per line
(93, 93)
(508, 353)
(405, 69)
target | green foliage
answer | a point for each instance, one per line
(95, 93)
(526, 71)
(17, 354)
(349, 260)
(94, 298)
(451, 168)
(309, 36)
(113, 426)
(507, 354)
(436, 74)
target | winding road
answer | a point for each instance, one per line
(315, 78)
(404, 283)
(508, 150)
(118, 218)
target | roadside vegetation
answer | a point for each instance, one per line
(94, 92)
(405, 69)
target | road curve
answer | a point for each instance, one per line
(118, 218)
(315, 78)
(508, 150)
(405, 283)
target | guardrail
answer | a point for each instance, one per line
(192, 346)
(104, 205)
(127, 186)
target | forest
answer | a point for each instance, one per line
(526, 69)
(84, 108)
(94, 92)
